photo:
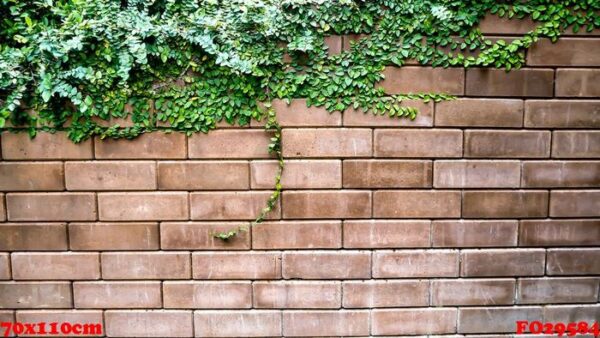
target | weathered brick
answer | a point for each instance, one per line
(413, 321)
(207, 295)
(562, 114)
(416, 204)
(150, 265)
(572, 314)
(559, 174)
(297, 295)
(369, 234)
(51, 207)
(7, 316)
(565, 52)
(31, 176)
(231, 265)
(333, 44)
(234, 143)
(326, 265)
(415, 263)
(83, 322)
(493, 24)
(28, 236)
(518, 83)
(326, 204)
(466, 233)
(38, 295)
(4, 266)
(387, 174)
(492, 113)
(423, 80)
(559, 233)
(297, 114)
(359, 118)
(117, 295)
(198, 236)
(110, 175)
(476, 174)
(45, 146)
(577, 82)
(495, 320)
(573, 261)
(418, 143)
(157, 323)
(297, 235)
(325, 323)
(450, 292)
(576, 144)
(393, 293)
(203, 175)
(323, 142)
(505, 204)
(240, 205)
(59, 266)
(507, 143)
(557, 290)
(143, 206)
(113, 236)
(502, 262)
(146, 146)
(298, 174)
(575, 203)
(264, 323)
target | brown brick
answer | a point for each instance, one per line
(143, 206)
(387, 174)
(297, 295)
(7, 316)
(297, 235)
(327, 265)
(326, 204)
(559, 174)
(476, 174)
(415, 263)
(423, 80)
(575, 203)
(505, 204)
(418, 143)
(413, 321)
(240, 205)
(577, 82)
(562, 114)
(113, 236)
(4, 266)
(198, 236)
(369, 234)
(507, 143)
(333, 44)
(155, 145)
(110, 175)
(297, 114)
(220, 144)
(453, 292)
(360, 118)
(298, 174)
(572, 314)
(207, 295)
(27, 236)
(231, 265)
(45, 146)
(150, 265)
(565, 52)
(465, 233)
(573, 261)
(493, 24)
(89, 321)
(416, 204)
(203, 175)
(117, 295)
(518, 83)
(157, 323)
(576, 144)
(393, 293)
(557, 290)
(492, 113)
(237, 323)
(39, 295)
(502, 262)
(559, 233)
(495, 320)
(59, 266)
(31, 176)
(322, 142)
(325, 323)
(51, 207)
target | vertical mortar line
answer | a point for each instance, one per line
(517, 288)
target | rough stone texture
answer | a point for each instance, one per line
(507, 144)
(117, 295)
(297, 295)
(448, 292)
(418, 143)
(387, 174)
(477, 174)
(505, 204)
(157, 323)
(55, 266)
(346, 142)
(562, 114)
(113, 236)
(386, 234)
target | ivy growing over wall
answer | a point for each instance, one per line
(186, 65)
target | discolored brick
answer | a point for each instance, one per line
(360, 118)
(297, 235)
(38, 295)
(495, 320)
(456, 292)
(418, 143)
(493, 24)
(26, 236)
(573, 261)
(525, 82)
(4, 266)
(415, 263)
(207, 295)
(326, 265)
(423, 80)
(572, 313)
(148, 265)
(576, 144)
(297, 295)
(45, 146)
(264, 323)
(505, 204)
(326, 204)
(561, 174)
(89, 321)
(146, 146)
(117, 295)
(413, 321)
(562, 114)
(298, 174)
(565, 52)
(51, 207)
(203, 175)
(143, 206)
(55, 266)
(577, 82)
(113, 236)
(325, 323)
(387, 174)
(559, 233)
(392, 293)
(494, 113)
(31, 176)
(323, 142)
(234, 205)
(369, 234)
(575, 203)
(475, 233)
(198, 236)
(507, 144)
(110, 175)
(156, 323)
(476, 174)
(502, 262)
(229, 144)
(231, 265)
(416, 204)
(557, 290)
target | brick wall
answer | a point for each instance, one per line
(481, 212)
